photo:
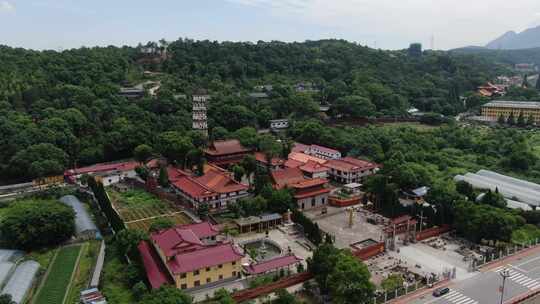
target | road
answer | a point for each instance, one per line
(483, 288)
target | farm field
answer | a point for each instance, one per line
(139, 209)
(58, 279)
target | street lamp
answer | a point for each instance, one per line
(505, 273)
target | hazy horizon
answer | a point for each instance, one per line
(385, 24)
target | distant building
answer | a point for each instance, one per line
(525, 67)
(184, 256)
(322, 152)
(200, 119)
(313, 169)
(215, 188)
(258, 95)
(107, 173)
(492, 90)
(306, 87)
(132, 93)
(415, 50)
(279, 124)
(350, 170)
(226, 152)
(492, 110)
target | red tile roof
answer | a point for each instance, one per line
(298, 147)
(350, 164)
(214, 181)
(304, 158)
(291, 163)
(272, 264)
(224, 147)
(156, 272)
(313, 167)
(286, 177)
(276, 161)
(202, 230)
(176, 240)
(207, 256)
(310, 193)
(310, 183)
(106, 167)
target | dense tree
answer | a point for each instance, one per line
(38, 161)
(127, 240)
(521, 119)
(354, 106)
(33, 224)
(174, 146)
(166, 295)
(163, 177)
(349, 281)
(6, 299)
(142, 153)
(160, 224)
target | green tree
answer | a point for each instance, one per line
(142, 153)
(39, 161)
(174, 147)
(139, 290)
(161, 224)
(222, 296)
(511, 119)
(392, 282)
(6, 299)
(166, 295)
(530, 119)
(284, 297)
(127, 240)
(501, 120)
(521, 119)
(323, 263)
(163, 177)
(34, 224)
(238, 173)
(354, 106)
(349, 281)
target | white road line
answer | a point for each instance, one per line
(455, 296)
(466, 299)
(470, 301)
(458, 299)
(528, 261)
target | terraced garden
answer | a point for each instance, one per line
(58, 278)
(139, 209)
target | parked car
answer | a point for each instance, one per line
(441, 291)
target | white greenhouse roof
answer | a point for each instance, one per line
(83, 221)
(5, 271)
(7, 255)
(21, 281)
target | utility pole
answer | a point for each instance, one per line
(505, 273)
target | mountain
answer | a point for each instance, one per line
(511, 40)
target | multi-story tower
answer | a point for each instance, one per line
(200, 121)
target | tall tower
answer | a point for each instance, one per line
(200, 120)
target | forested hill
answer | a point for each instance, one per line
(61, 109)
(510, 57)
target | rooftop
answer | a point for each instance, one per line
(103, 167)
(287, 177)
(350, 164)
(272, 264)
(324, 149)
(276, 161)
(214, 181)
(313, 167)
(224, 147)
(304, 158)
(513, 104)
(155, 271)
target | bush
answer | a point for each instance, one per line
(34, 224)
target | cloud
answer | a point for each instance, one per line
(6, 7)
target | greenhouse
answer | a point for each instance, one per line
(84, 226)
(21, 281)
(5, 271)
(7, 255)
(512, 189)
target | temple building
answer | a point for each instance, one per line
(308, 193)
(225, 153)
(350, 170)
(215, 188)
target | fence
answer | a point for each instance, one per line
(431, 232)
(500, 254)
(253, 293)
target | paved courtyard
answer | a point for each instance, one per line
(336, 223)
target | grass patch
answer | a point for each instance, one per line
(114, 283)
(55, 286)
(85, 270)
(135, 199)
(525, 234)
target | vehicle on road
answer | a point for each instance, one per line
(441, 291)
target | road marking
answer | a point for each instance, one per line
(523, 280)
(528, 261)
(456, 297)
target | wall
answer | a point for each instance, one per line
(343, 202)
(370, 251)
(320, 200)
(213, 274)
(431, 232)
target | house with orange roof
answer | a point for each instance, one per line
(350, 170)
(313, 169)
(225, 153)
(304, 158)
(215, 188)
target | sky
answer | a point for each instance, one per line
(386, 24)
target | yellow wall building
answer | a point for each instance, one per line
(492, 110)
(192, 257)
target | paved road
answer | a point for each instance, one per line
(484, 287)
